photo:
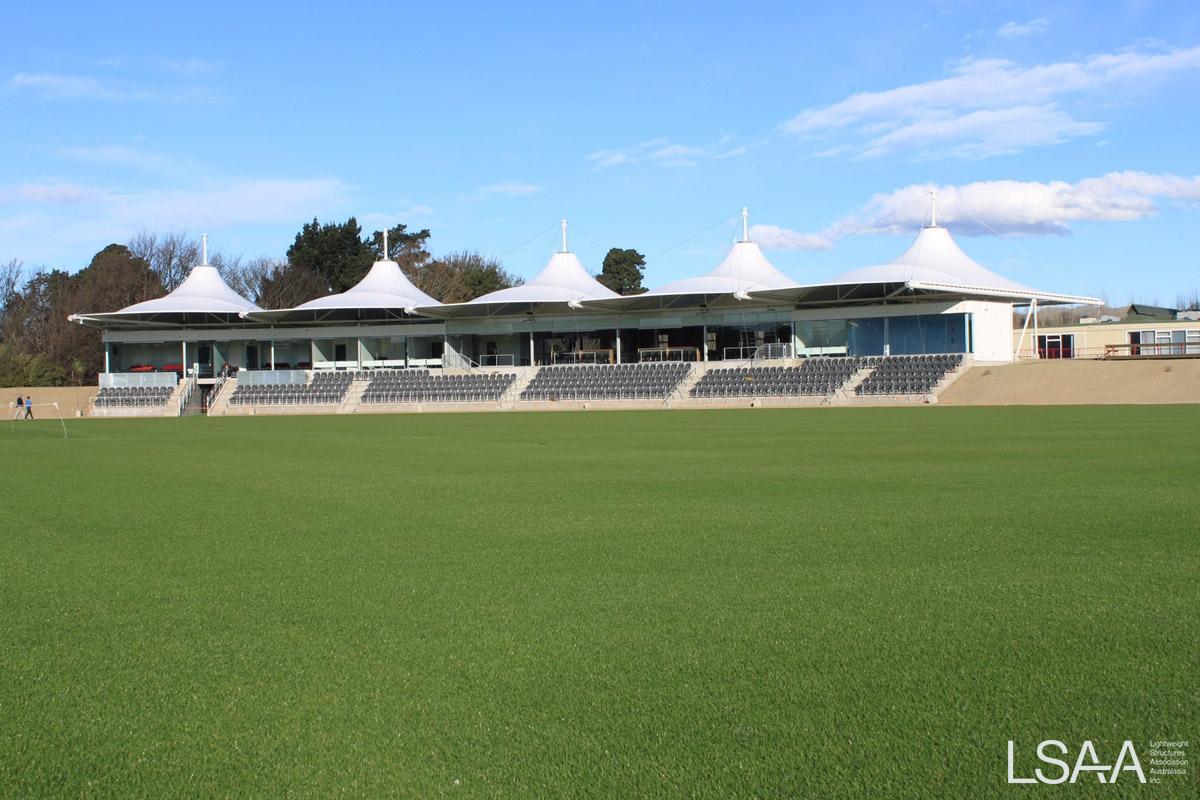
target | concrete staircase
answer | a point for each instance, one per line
(846, 390)
(353, 396)
(511, 397)
(684, 390)
(218, 402)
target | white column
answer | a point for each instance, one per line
(272, 354)
(359, 342)
(704, 339)
(1037, 353)
(618, 345)
(531, 348)
(312, 353)
(107, 353)
(183, 347)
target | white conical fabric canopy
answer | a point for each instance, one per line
(935, 258)
(933, 264)
(384, 286)
(204, 291)
(563, 280)
(203, 298)
(745, 268)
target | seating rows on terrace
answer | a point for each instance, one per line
(325, 387)
(816, 376)
(899, 375)
(606, 382)
(133, 396)
(420, 386)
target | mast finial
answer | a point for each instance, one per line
(564, 235)
(385, 247)
(933, 209)
(745, 224)
(204, 249)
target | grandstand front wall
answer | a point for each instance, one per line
(981, 328)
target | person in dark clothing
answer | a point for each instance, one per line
(20, 406)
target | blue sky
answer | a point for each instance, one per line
(1068, 128)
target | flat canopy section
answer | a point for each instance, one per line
(933, 266)
(744, 269)
(384, 293)
(563, 284)
(202, 299)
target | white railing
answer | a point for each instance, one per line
(498, 360)
(774, 350)
(758, 352)
(452, 359)
(110, 380)
(583, 357)
(215, 391)
(185, 394)
(654, 354)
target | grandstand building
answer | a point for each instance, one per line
(931, 300)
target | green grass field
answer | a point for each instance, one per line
(796, 603)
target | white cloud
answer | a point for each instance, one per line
(188, 67)
(70, 87)
(111, 214)
(667, 153)
(1017, 30)
(119, 155)
(773, 237)
(54, 86)
(1006, 207)
(982, 133)
(49, 193)
(984, 108)
(507, 189)
(408, 214)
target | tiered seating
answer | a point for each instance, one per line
(907, 374)
(133, 396)
(421, 386)
(325, 387)
(606, 382)
(815, 377)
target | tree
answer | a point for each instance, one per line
(459, 277)
(406, 249)
(170, 255)
(285, 285)
(622, 271)
(115, 278)
(333, 251)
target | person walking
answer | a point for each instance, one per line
(20, 407)
(28, 407)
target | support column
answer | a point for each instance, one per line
(1037, 351)
(618, 345)
(107, 356)
(312, 353)
(272, 354)
(183, 363)
(358, 341)
(704, 341)
(531, 348)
